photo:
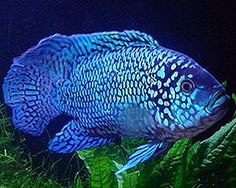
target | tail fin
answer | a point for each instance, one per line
(28, 90)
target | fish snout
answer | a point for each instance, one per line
(219, 101)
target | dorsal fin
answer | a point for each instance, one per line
(98, 42)
(60, 53)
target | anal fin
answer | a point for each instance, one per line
(143, 153)
(72, 138)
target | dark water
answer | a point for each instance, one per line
(204, 30)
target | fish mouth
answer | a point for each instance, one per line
(219, 101)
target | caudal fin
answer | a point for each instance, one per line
(28, 90)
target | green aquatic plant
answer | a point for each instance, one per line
(234, 97)
(208, 163)
(15, 169)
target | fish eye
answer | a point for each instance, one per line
(187, 86)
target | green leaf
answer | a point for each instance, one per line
(131, 143)
(234, 97)
(213, 149)
(78, 182)
(211, 159)
(102, 173)
(126, 180)
(202, 163)
(186, 164)
(224, 84)
(113, 152)
(87, 156)
(131, 179)
(165, 172)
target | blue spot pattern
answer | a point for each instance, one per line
(112, 84)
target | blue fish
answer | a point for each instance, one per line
(112, 84)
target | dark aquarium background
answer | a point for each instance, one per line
(204, 30)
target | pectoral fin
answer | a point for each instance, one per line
(143, 153)
(73, 138)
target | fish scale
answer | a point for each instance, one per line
(112, 84)
(100, 62)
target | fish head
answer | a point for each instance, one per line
(194, 100)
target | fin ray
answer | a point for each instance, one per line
(59, 54)
(143, 153)
(73, 138)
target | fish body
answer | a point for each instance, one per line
(112, 84)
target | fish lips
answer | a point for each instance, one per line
(218, 101)
(217, 107)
